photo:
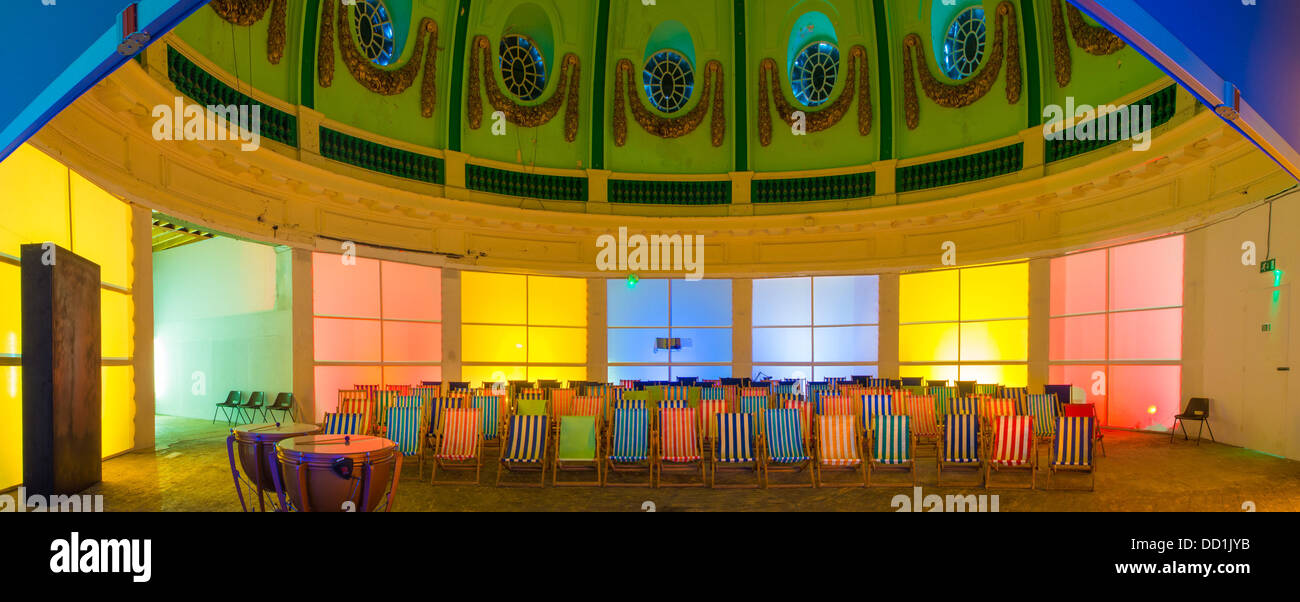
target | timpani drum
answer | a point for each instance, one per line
(339, 473)
(256, 450)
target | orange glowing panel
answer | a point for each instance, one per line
(1092, 378)
(345, 340)
(1135, 389)
(345, 286)
(1147, 274)
(331, 379)
(1147, 335)
(1078, 338)
(411, 292)
(412, 342)
(1079, 284)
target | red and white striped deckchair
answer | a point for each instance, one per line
(1013, 449)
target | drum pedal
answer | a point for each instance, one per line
(342, 467)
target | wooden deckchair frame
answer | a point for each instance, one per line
(660, 464)
(793, 467)
(821, 467)
(457, 465)
(507, 465)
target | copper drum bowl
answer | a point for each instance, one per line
(256, 444)
(315, 472)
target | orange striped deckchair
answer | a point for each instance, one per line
(839, 448)
(402, 390)
(357, 402)
(925, 423)
(680, 446)
(836, 405)
(1013, 448)
(563, 397)
(991, 408)
(708, 425)
(459, 444)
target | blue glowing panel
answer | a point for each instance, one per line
(702, 345)
(645, 304)
(845, 344)
(783, 372)
(702, 372)
(635, 345)
(701, 303)
(782, 344)
(825, 372)
(846, 300)
(783, 302)
(619, 373)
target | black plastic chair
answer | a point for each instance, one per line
(283, 404)
(256, 400)
(230, 406)
(911, 381)
(1198, 409)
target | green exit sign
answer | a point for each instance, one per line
(1267, 265)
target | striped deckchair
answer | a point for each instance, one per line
(677, 393)
(358, 402)
(784, 446)
(733, 449)
(437, 408)
(583, 405)
(427, 393)
(925, 425)
(628, 384)
(562, 397)
(990, 390)
(399, 389)
(713, 393)
(1043, 409)
(383, 401)
(708, 409)
(876, 405)
(992, 408)
(459, 444)
(817, 390)
(754, 392)
(680, 446)
(805, 414)
(405, 425)
(959, 448)
(889, 446)
(916, 391)
(493, 413)
(531, 394)
(1017, 393)
(943, 397)
(635, 400)
(785, 390)
(1013, 448)
(628, 446)
(752, 404)
(966, 406)
(577, 448)
(525, 449)
(836, 405)
(839, 442)
(1074, 448)
(369, 389)
(533, 407)
(343, 424)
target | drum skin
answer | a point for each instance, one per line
(312, 485)
(250, 437)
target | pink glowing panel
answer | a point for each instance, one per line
(345, 286)
(411, 375)
(411, 292)
(331, 379)
(1147, 274)
(343, 340)
(1147, 335)
(1144, 397)
(412, 342)
(1079, 283)
(1078, 338)
(1091, 378)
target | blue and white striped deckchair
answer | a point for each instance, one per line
(490, 406)
(1074, 448)
(343, 424)
(525, 447)
(406, 429)
(786, 448)
(629, 446)
(816, 390)
(876, 405)
(733, 448)
(959, 447)
(890, 444)
(966, 406)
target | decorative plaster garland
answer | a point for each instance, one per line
(669, 127)
(1097, 41)
(244, 13)
(380, 81)
(859, 82)
(529, 116)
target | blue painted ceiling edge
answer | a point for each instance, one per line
(1250, 45)
(55, 70)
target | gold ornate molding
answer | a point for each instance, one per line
(380, 81)
(245, 13)
(529, 116)
(1097, 41)
(858, 83)
(964, 94)
(669, 127)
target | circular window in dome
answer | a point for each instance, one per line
(963, 46)
(669, 80)
(523, 70)
(375, 31)
(814, 72)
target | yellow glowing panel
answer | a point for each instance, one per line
(1006, 340)
(927, 343)
(101, 231)
(118, 410)
(927, 297)
(557, 345)
(33, 200)
(1011, 376)
(498, 344)
(928, 372)
(557, 301)
(561, 374)
(115, 323)
(492, 298)
(997, 291)
(11, 315)
(11, 426)
(478, 376)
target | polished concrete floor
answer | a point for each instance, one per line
(189, 471)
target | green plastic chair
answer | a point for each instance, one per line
(578, 450)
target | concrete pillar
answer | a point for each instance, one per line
(1040, 299)
(451, 362)
(142, 337)
(888, 337)
(304, 345)
(597, 341)
(742, 328)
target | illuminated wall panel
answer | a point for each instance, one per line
(1089, 377)
(1001, 341)
(929, 372)
(11, 426)
(701, 303)
(412, 374)
(412, 342)
(524, 327)
(1014, 375)
(1135, 391)
(702, 345)
(701, 372)
(825, 372)
(995, 292)
(493, 298)
(1147, 274)
(115, 322)
(560, 373)
(846, 300)
(118, 387)
(782, 344)
(928, 297)
(345, 286)
(338, 340)
(11, 317)
(34, 195)
(645, 304)
(785, 372)
(846, 343)
(1078, 338)
(1147, 335)
(331, 379)
(557, 301)
(100, 224)
(782, 302)
(1079, 284)
(557, 345)
(496, 344)
(928, 342)
(635, 345)
(843, 312)
(621, 373)
(698, 313)
(492, 374)
(411, 292)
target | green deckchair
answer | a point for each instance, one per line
(578, 450)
